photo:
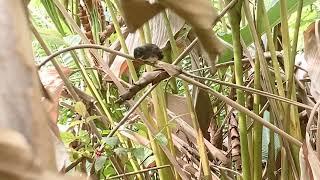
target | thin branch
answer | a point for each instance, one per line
(125, 118)
(138, 172)
(185, 52)
(255, 91)
(82, 46)
(313, 112)
(74, 164)
(224, 11)
(226, 169)
(242, 109)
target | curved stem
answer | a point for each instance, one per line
(125, 118)
(82, 46)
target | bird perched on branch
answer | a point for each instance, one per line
(148, 52)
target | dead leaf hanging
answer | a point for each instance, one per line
(312, 56)
(199, 14)
(137, 12)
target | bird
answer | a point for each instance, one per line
(148, 52)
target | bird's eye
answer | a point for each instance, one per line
(137, 53)
(160, 56)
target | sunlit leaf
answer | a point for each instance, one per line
(67, 137)
(139, 153)
(80, 108)
(76, 122)
(91, 118)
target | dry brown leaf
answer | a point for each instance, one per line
(204, 114)
(200, 14)
(146, 78)
(309, 162)
(137, 12)
(153, 77)
(172, 70)
(178, 105)
(312, 56)
(234, 140)
(211, 44)
(190, 170)
(136, 137)
(54, 85)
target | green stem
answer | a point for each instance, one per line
(292, 120)
(257, 127)
(235, 18)
(269, 85)
(271, 153)
(162, 118)
(272, 49)
(121, 39)
(174, 48)
(294, 45)
(285, 36)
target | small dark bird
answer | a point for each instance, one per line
(148, 52)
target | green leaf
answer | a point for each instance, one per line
(121, 152)
(141, 153)
(105, 132)
(274, 18)
(80, 108)
(161, 138)
(91, 118)
(76, 122)
(100, 163)
(109, 170)
(84, 136)
(111, 141)
(67, 137)
(141, 127)
(72, 40)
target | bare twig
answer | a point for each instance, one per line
(313, 112)
(82, 46)
(138, 172)
(242, 109)
(74, 164)
(224, 11)
(133, 108)
(255, 91)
